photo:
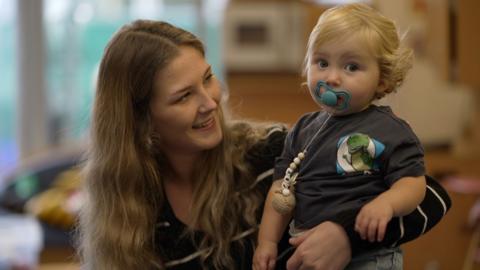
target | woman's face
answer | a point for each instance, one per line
(185, 105)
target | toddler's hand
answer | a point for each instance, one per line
(265, 256)
(372, 220)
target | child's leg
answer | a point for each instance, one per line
(382, 259)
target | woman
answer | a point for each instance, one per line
(170, 182)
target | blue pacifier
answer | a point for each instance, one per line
(331, 97)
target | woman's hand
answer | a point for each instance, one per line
(324, 247)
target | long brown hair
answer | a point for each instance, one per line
(123, 171)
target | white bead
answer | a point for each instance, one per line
(301, 155)
(285, 192)
(296, 160)
(293, 166)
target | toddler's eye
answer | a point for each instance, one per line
(351, 67)
(322, 63)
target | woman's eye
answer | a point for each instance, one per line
(184, 97)
(322, 64)
(351, 67)
(208, 77)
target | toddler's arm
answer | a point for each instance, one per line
(272, 228)
(401, 199)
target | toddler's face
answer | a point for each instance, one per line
(347, 64)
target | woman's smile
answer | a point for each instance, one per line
(205, 125)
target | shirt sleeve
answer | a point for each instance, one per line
(283, 160)
(406, 156)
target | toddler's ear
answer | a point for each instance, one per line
(381, 89)
(382, 86)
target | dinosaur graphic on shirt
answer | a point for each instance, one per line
(357, 152)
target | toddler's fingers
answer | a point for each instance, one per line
(382, 227)
(360, 227)
(372, 230)
(259, 265)
(271, 264)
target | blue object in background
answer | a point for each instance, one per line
(8, 148)
(8, 157)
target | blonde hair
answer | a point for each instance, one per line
(124, 169)
(378, 31)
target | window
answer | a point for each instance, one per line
(8, 149)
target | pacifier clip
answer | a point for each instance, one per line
(283, 200)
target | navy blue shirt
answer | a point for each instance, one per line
(349, 162)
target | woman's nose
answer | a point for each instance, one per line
(208, 102)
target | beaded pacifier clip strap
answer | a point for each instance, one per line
(283, 200)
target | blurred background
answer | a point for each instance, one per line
(50, 51)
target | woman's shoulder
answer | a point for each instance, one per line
(261, 155)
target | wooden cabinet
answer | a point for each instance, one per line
(454, 40)
(277, 97)
(468, 42)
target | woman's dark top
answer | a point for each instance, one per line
(179, 251)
